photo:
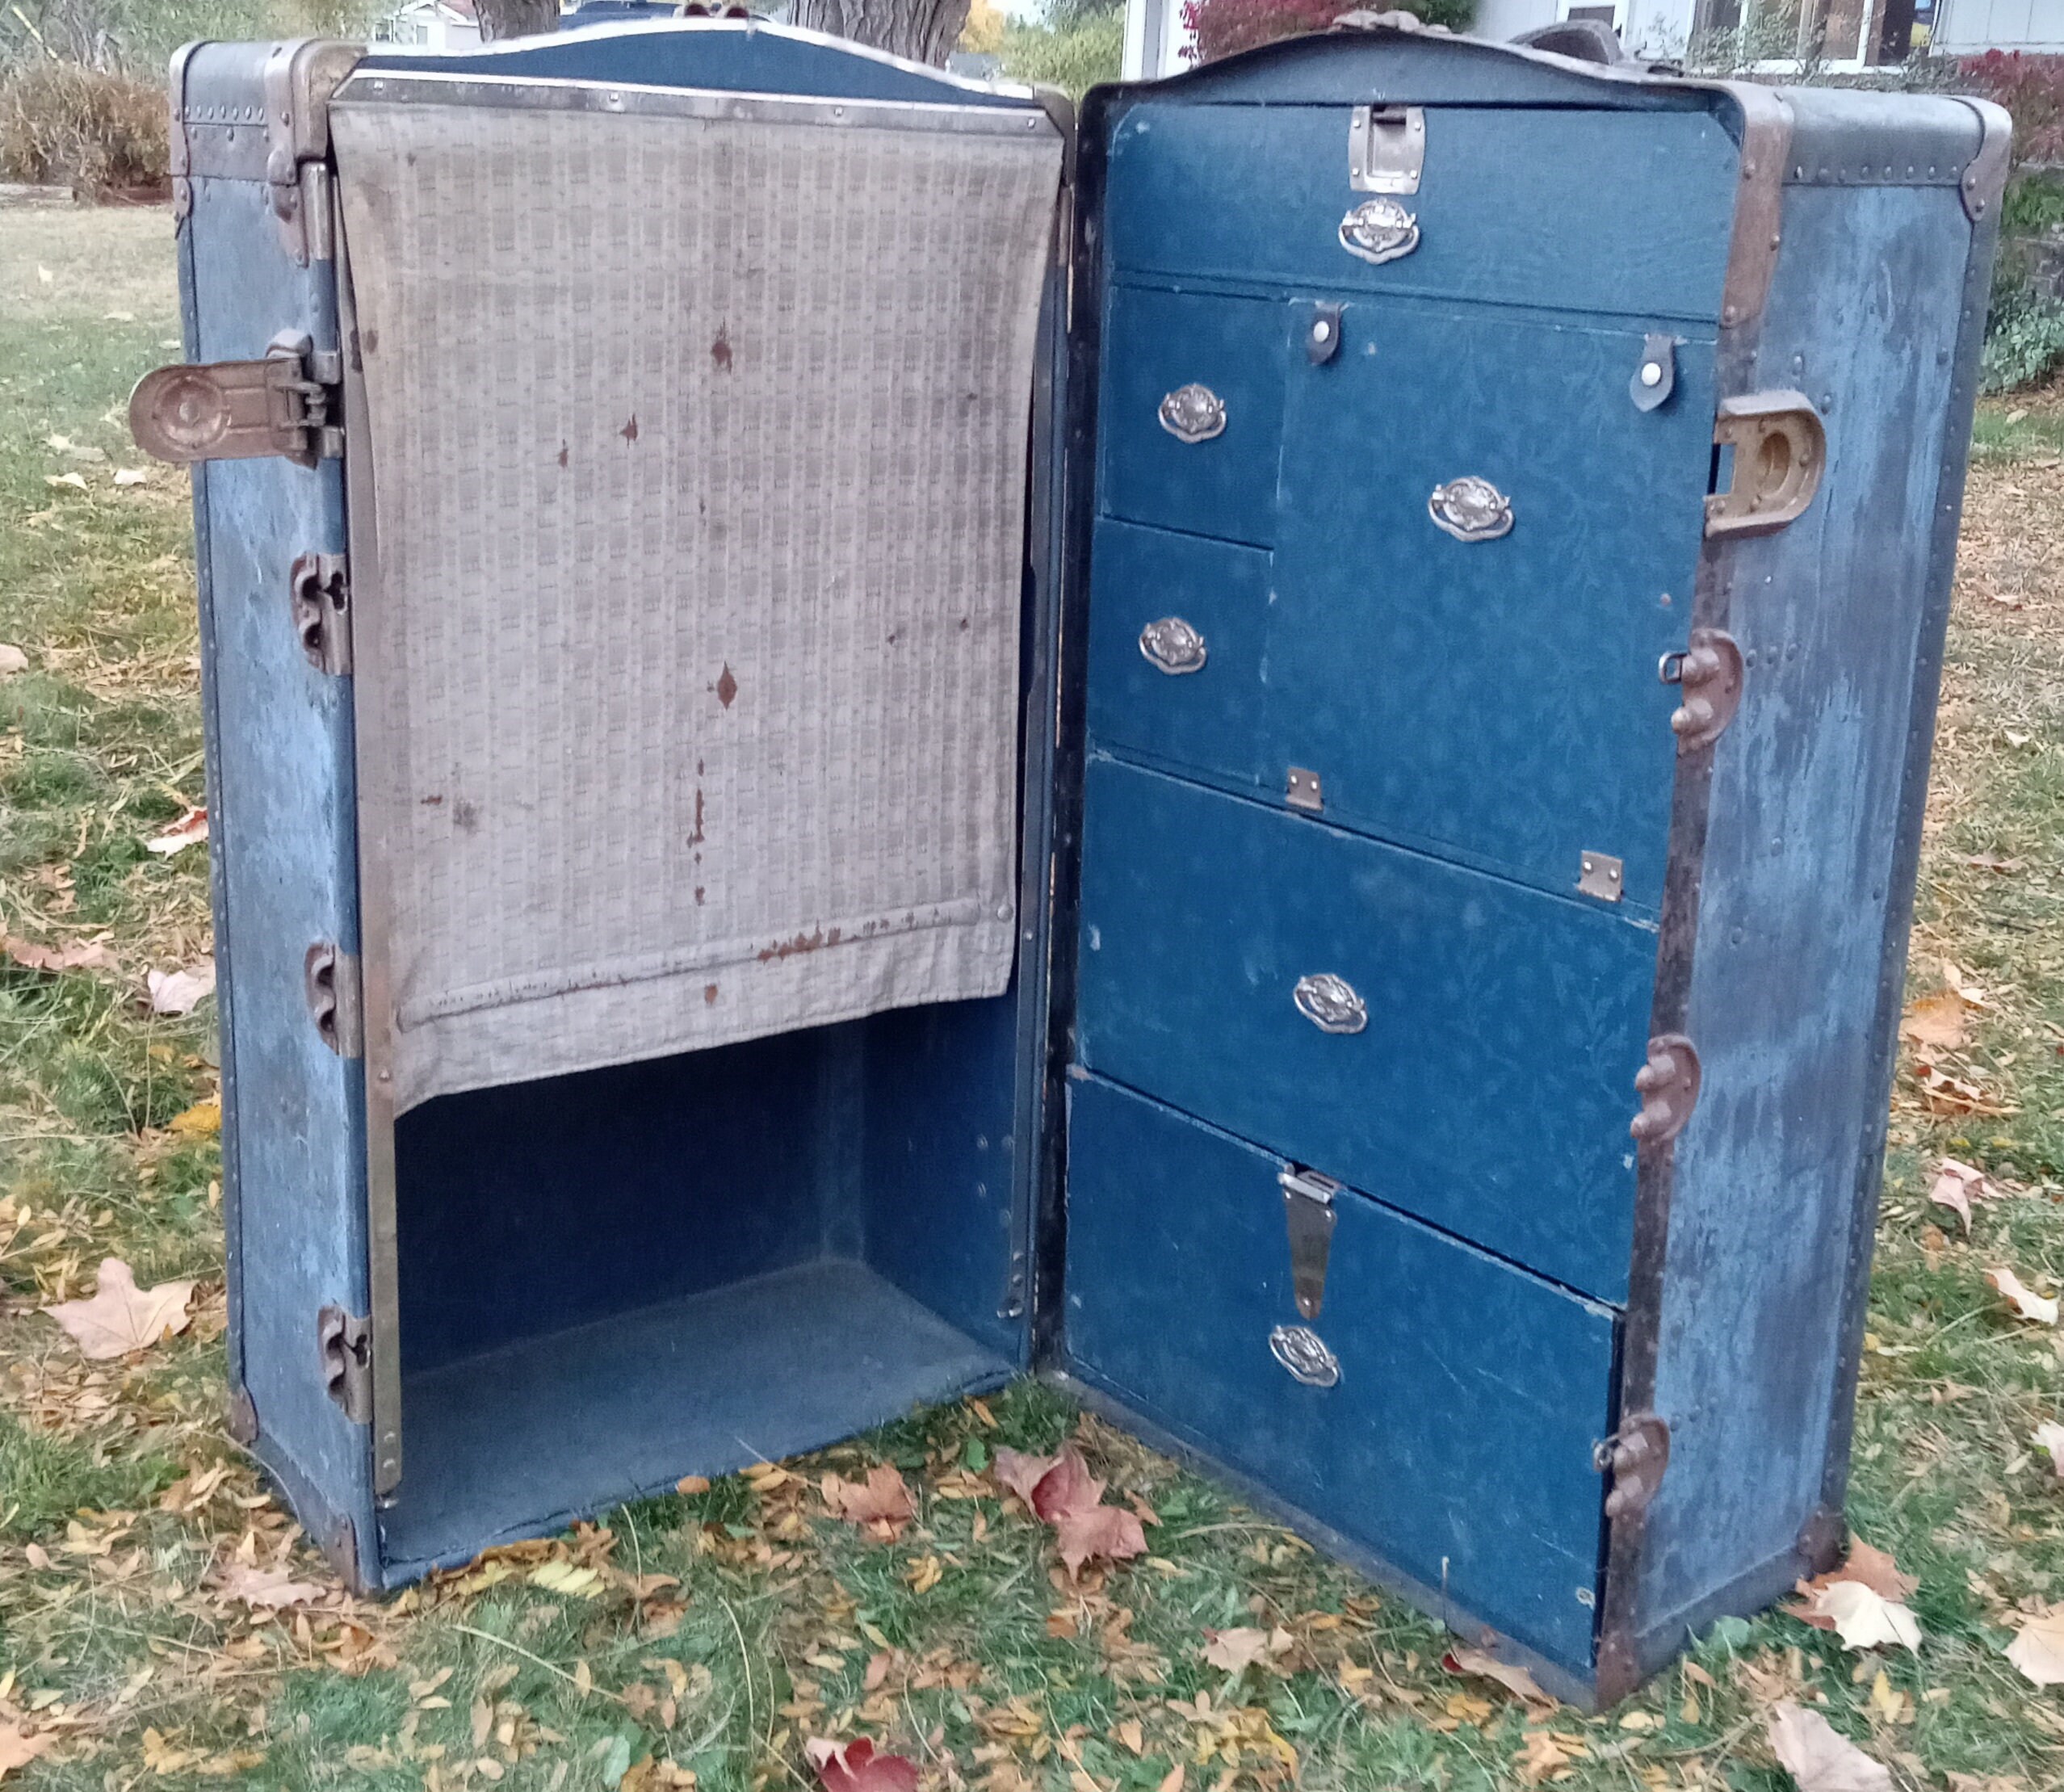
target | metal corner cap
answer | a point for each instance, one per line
(1766, 142)
(1985, 178)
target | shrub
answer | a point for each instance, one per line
(2023, 334)
(2032, 89)
(1222, 27)
(1076, 46)
(63, 124)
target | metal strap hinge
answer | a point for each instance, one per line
(344, 1344)
(320, 585)
(283, 405)
(1308, 1213)
(330, 980)
(1635, 1456)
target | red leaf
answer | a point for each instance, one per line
(1066, 1488)
(855, 1767)
(1022, 1474)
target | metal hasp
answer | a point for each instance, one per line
(1379, 230)
(1780, 446)
(1709, 673)
(1635, 1456)
(1387, 148)
(330, 981)
(1308, 1213)
(243, 411)
(1171, 645)
(1193, 413)
(1656, 377)
(1668, 1085)
(344, 1345)
(319, 587)
(1330, 1003)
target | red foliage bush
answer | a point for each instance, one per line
(1222, 27)
(2031, 88)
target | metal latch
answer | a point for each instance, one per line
(1668, 1086)
(241, 410)
(320, 586)
(1635, 1456)
(330, 981)
(344, 1345)
(1780, 446)
(1709, 673)
(1308, 1213)
(1386, 148)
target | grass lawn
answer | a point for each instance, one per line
(711, 1634)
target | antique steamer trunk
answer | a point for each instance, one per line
(1350, 901)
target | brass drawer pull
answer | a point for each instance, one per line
(1303, 1353)
(1330, 1003)
(1379, 230)
(1470, 509)
(1171, 645)
(1193, 413)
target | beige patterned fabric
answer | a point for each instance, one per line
(687, 683)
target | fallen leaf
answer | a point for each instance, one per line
(2049, 1436)
(203, 1120)
(1953, 1187)
(81, 955)
(1110, 1533)
(72, 481)
(1936, 1020)
(855, 1767)
(131, 475)
(1545, 1754)
(1864, 1618)
(12, 659)
(1022, 1474)
(881, 1504)
(1509, 1675)
(17, 1750)
(2025, 1302)
(180, 992)
(2038, 1651)
(1173, 1782)
(1235, 1650)
(692, 1483)
(191, 827)
(1817, 1756)
(275, 1589)
(122, 1317)
(567, 1578)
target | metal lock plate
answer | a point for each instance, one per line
(1780, 446)
(1470, 509)
(1386, 148)
(1308, 1214)
(241, 411)
(1710, 673)
(344, 1347)
(320, 589)
(330, 981)
(1668, 1085)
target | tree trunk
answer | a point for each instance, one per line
(923, 31)
(501, 19)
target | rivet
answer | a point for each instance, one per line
(1650, 374)
(1323, 332)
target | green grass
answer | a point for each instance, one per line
(999, 1665)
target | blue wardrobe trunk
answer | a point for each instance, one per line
(1488, 536)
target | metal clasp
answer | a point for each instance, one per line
(1780, 446)
(344, 1347)
(1710, 673)
(1386, 148)
(330, 981)
(1635, 1456)
(320, 589)
(1308, 1214)
(241, 411)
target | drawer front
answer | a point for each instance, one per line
(1457, 1442)
(1177, 646)
(1496, 699)
(1489, 1086)
(1157, 344)
(1556, 207)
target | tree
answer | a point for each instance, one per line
(501, 19)
(923, 30)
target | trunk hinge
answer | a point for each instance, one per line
(344, 1342)
(1308, 1212)
(320, 586)
(1635, 1456)
(330, 980)
(243, 411)
(1708, 671)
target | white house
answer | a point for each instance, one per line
(430, 25)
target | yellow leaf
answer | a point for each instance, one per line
(564, 1578)
(203, 1120)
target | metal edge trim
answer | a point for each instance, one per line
(1075, 1380)
(1984, 179)
(1905, 869)
(629, 99)
(334, 1533)
(178, 156)
(1758, 232)
(375, 897)
(1655, 1647)
(768, 27)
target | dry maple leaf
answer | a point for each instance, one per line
(1936, 1020)
(180, 992)
(1955, 1186)
(1022, 1474)
(855, 1767)
(2038, 1651)
(881, 1504)
(1543, 1755)
(272, 1589)
(17, 1750)
(1509, 1675)
(81, 955)
(1236, 1649)
(1111, 1534)
(1817, 1756)
(1864, 1618)
(2024, 1301)
(1864, 1562)
(122, 1317)
(191, 827)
